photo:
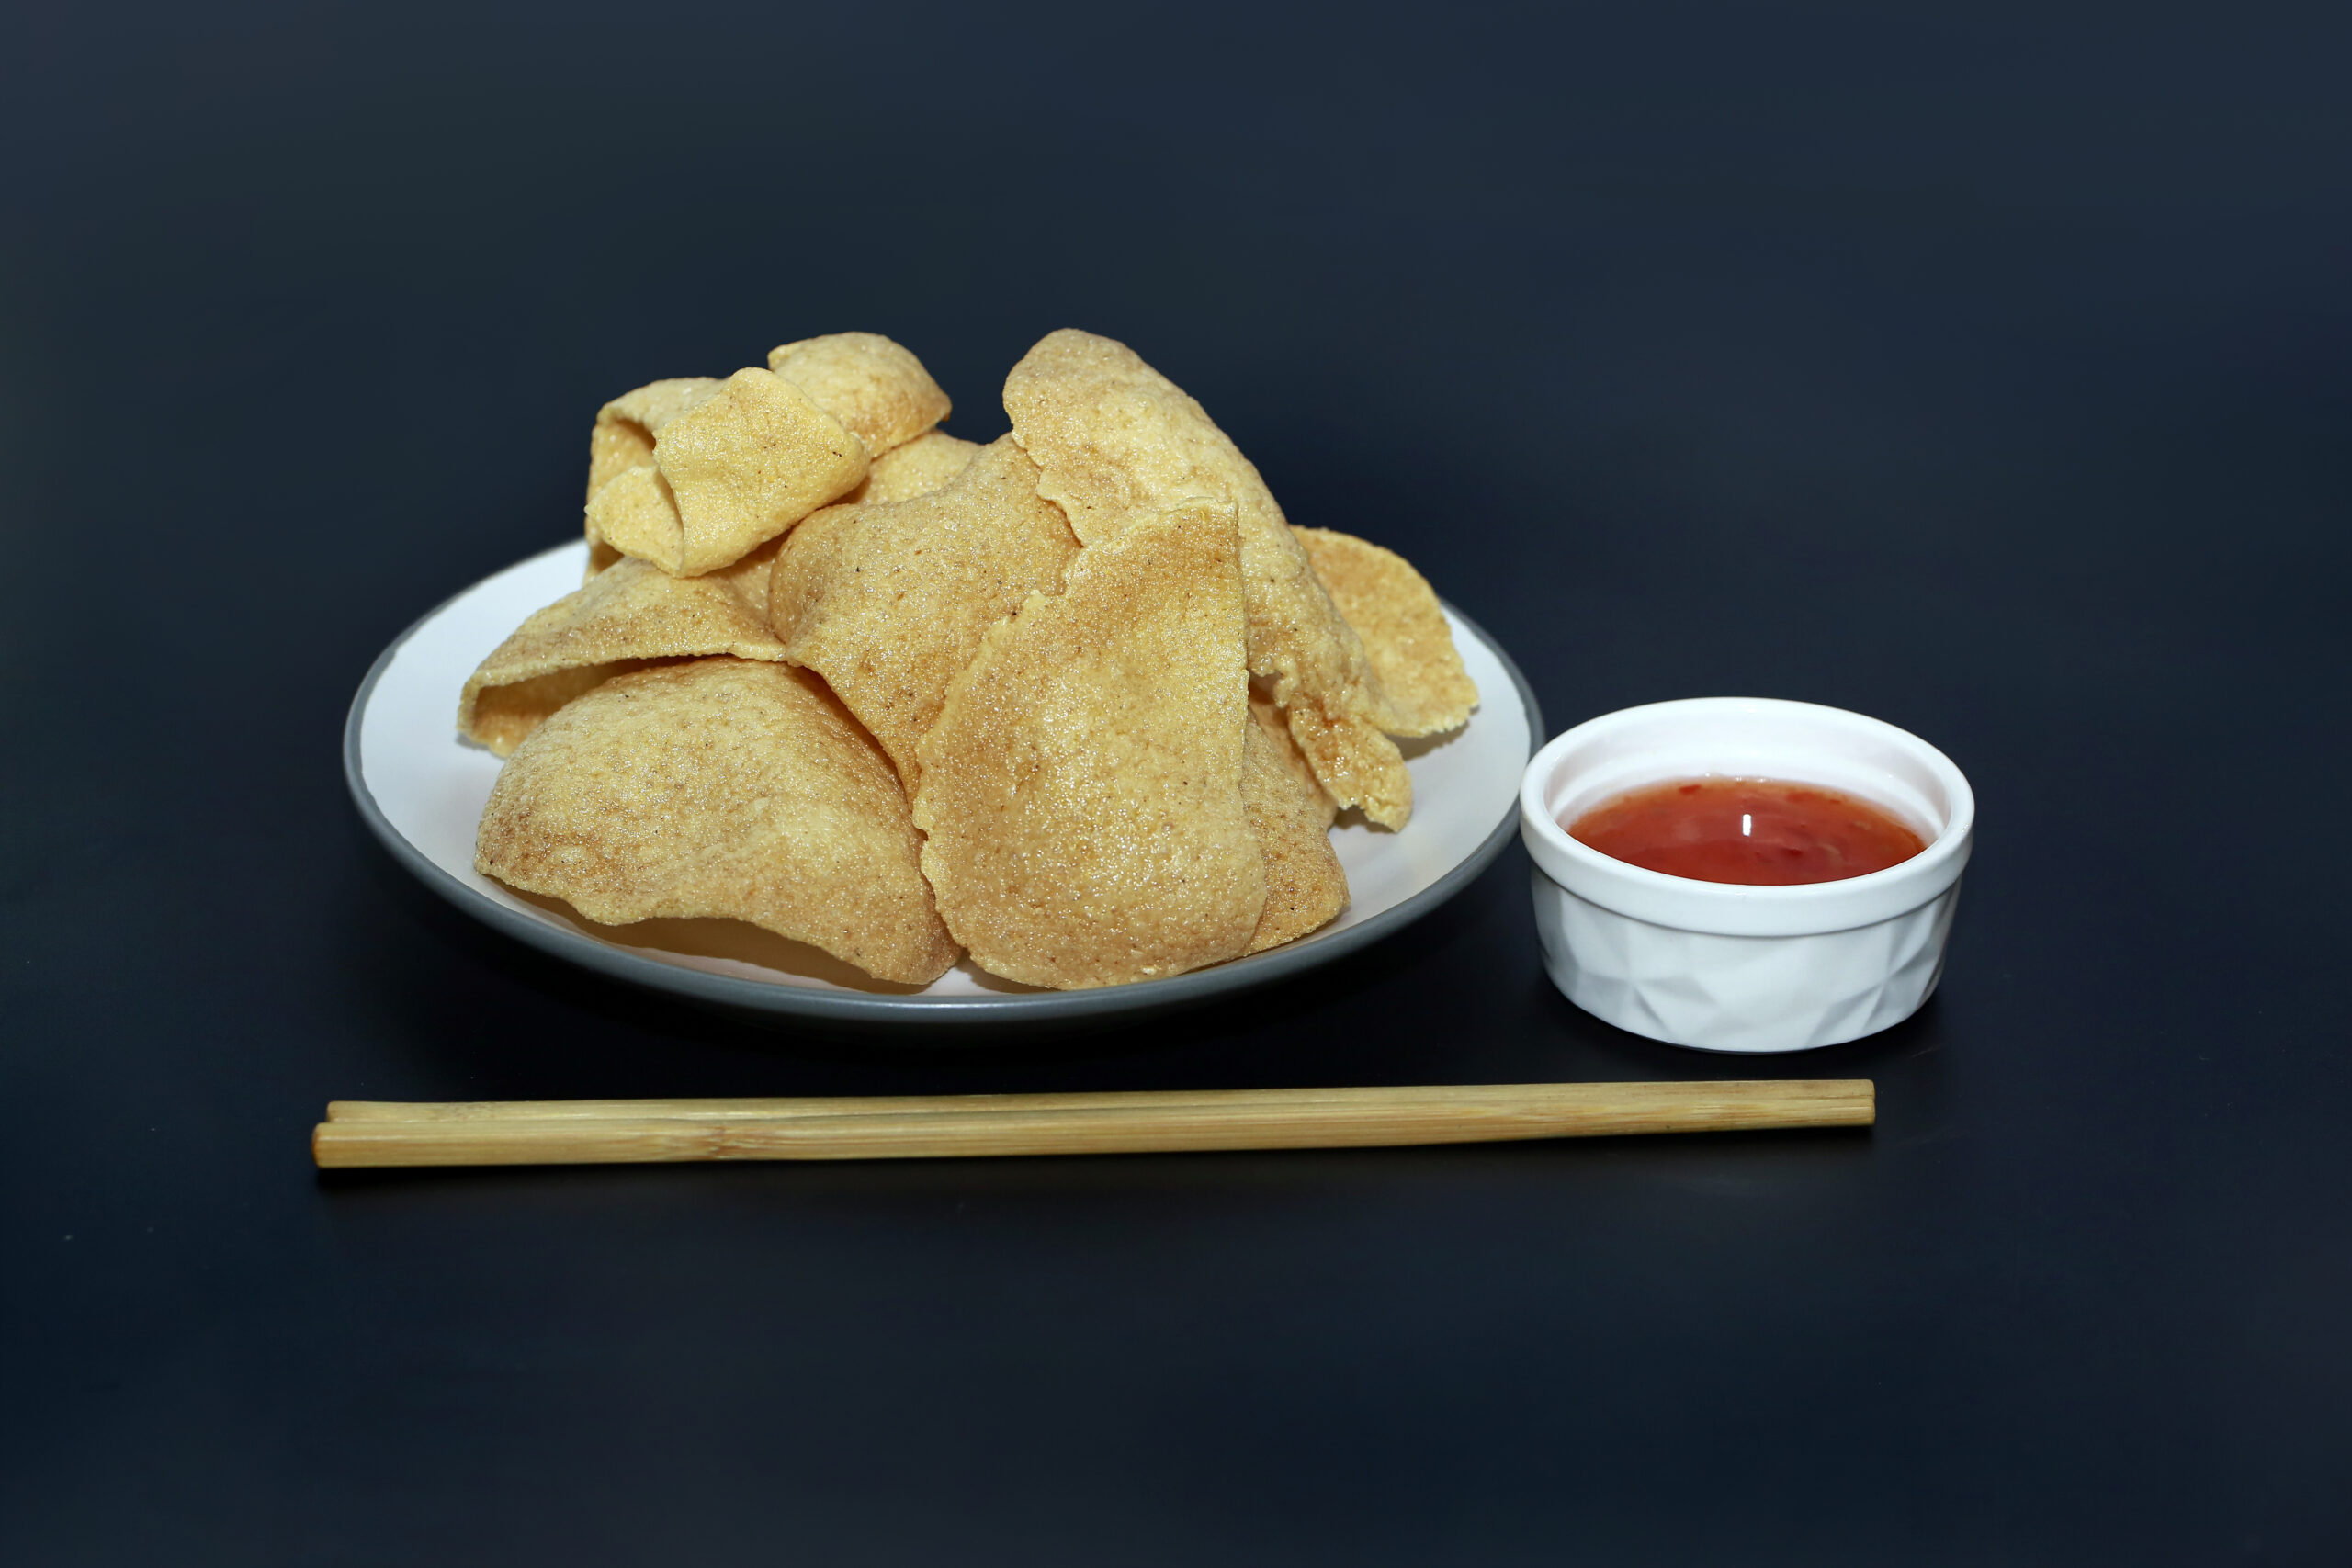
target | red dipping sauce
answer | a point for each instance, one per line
(1760, 831)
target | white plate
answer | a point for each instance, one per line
(421, 789)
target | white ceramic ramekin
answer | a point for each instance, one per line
(1728, 967)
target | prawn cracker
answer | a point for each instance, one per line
(622, 439)
(1081, 792)
(1114, 437)
(931, 461)
(1291, 815)
(876, 387)
(889, 602)
(621, 619)
(720, 788)
(1394, 610)
(728, 472)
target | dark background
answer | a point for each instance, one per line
(1992, 377)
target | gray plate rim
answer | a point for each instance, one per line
(733, 994)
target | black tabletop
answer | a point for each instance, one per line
(1990, 377)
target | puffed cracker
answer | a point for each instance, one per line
(730, 471)
(1081, 793)
(625, 430)
(622, 439)
(1269, 715)
(931, 461)
(1114, 437)
(888, 602)
(720, 788)
(1291, 814)
(873, 386)
(621, 620)
(1394, 610)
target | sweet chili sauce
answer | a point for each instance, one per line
(1760, 831)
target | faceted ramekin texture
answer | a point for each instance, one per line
(1741, 992)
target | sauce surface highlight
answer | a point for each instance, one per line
(1760, 831)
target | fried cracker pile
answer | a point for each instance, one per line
(1079, 704)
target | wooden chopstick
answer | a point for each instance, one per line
(598, 1132)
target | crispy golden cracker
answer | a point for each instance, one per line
(748, 578)
(1114, 437)
(1394, 610)
(615, 444)
(636, 508)
(730, 471)
(889, 602)
(626, 427)
(931, 461)
(1082, 790)
(614, 447)
(872, 385)
(619, 621)
(720, 788)
(1291, 815)
(1270, 719)
(622, 439)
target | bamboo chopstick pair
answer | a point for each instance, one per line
(604, 1132)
